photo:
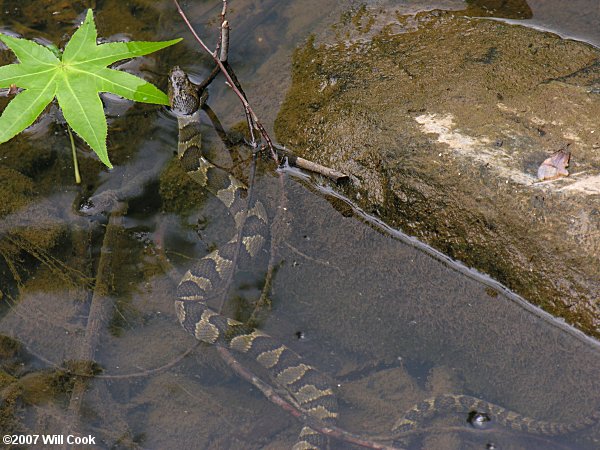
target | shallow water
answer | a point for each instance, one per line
(389, 320)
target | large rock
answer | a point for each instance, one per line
(443, 127)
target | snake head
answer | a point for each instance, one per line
(183, 94)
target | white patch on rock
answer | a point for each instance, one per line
(584, 185)
(481, 150)
(477, 149)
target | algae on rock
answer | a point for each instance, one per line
(442, 129)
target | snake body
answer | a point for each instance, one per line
(209, 277)
(430, 407)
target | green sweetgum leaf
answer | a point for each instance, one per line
(75, 79)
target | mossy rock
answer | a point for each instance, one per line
(444, 140)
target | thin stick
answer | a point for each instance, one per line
(224, 11)
(332, 431)
(277, 230)
(224, 41)
(317, 168)
(224, 66)
(305, 164)
(239, 233)
(209, 79)
(231, 83)
(282, 153)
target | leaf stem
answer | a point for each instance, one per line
(75, 163)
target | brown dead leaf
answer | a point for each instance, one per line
(556, 165)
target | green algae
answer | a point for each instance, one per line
(20, 385)
(178, 191)
(16, 189)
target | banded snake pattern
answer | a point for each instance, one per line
(310, 390)
(210, 275)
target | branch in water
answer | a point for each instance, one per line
(269, 392)
(305, 164)
(222, 65)
(231, 83)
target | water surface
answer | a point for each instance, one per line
(390, 321)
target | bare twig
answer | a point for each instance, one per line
(278, 230)
(305, 164)
(253, 122)
(224, 11)
(312, 258)
(317, 425)
(209, 79)
(224, 41)
(223, 66)
(231, 83)
(250, 129)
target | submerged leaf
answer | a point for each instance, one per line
(75, 78)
